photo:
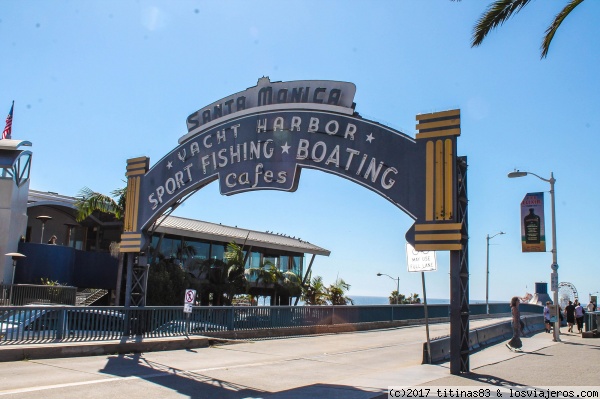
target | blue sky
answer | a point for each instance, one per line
(98, 82)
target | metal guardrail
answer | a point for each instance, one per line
(31, 324)
(592, 320)
(25, 294)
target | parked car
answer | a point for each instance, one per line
(49, 322)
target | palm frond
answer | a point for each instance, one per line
(495, 15)
(555, 24)
(91, 201)
(121, 196)
(234, 254)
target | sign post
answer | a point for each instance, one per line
(188, 306)
(422, 261)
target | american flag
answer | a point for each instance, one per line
(6, 133)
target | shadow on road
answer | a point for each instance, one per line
(197, 385)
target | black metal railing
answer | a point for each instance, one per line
(26, 294)
(27, 324)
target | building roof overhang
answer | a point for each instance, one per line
(218, 232)
(192, 228)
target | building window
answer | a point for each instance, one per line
(218, 251)
(297, 265)
(284, 263)
(273, 260)
(197, 250)
(254, 260)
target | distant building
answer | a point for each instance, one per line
(85, 254)
(83, 258)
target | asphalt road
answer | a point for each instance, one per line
(347, 365)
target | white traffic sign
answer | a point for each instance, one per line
(188, 301)
(190, 296)
(420, 261)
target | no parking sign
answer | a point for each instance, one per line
(188, 302)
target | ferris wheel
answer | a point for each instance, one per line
(566, 292)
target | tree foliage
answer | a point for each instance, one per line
(403, 299)
(317, 293)
(90, 201)
(336, 293)
(167, 283)
(500, 11)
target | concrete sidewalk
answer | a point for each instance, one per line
(572, 362)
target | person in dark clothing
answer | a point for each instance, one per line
(570, 315)
(515, 342)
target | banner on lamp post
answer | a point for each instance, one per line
(533, 234)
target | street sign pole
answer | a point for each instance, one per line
(188, 307)
(426, 318)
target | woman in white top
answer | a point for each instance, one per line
(591, 307)
(547, 317)
(579, 312)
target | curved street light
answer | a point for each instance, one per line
(487, 271)
(397, 284)
(554, 267)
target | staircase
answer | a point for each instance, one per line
(88, 296)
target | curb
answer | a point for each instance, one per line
(75, 349)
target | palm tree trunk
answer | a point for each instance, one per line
(119, 278)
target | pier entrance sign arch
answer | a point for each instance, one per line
(262, 138)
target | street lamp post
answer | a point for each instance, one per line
(487, 272)
(43, 219)
(15, 256)
(397, 284)
(70, 233)
(554, 267)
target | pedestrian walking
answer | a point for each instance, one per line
(547, 322)
(515, 343)
(570, 315)
(579, 312)
(591, 307)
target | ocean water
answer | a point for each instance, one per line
(384, 300)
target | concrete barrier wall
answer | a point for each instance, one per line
(330, 328)
(481, 337)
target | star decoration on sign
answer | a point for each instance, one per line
(285, 148)
(169, 165)
(370, 137)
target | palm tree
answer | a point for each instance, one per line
(90, 201)
(265, 275)
(315, 292)
(291, 284)
(236, 276)
(336, 293)
(501, 10)
(396, 298)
